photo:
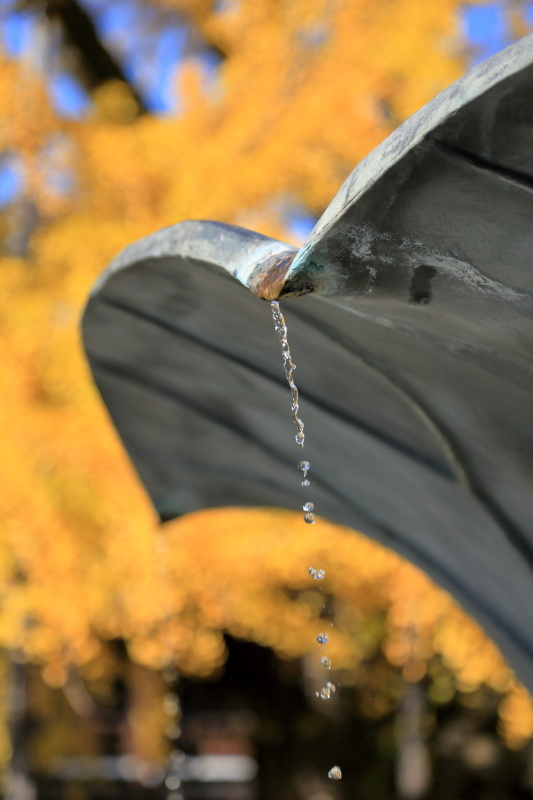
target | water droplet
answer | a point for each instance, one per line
(317, 574)
(331, 686)
(306, 483)
(289, 366)
(325, 662)
(173, 732)
(304, 466)
(308, 506)
(335, 773)
(325, 693)
(322, 638)
(170, 674)
(310, 518)
(171, 704)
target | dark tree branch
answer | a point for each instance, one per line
(94, 65)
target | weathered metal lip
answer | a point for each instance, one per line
(267, 280)
(258, 262)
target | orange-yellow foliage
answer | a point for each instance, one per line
(305, 91)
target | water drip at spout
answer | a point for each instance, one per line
(288, 365)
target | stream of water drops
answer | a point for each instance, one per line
(289, 367)
(308, 507)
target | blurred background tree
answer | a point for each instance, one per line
(118, 119)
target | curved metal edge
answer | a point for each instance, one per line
(307, 276)
(256, 261)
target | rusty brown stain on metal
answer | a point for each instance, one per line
(268, 277)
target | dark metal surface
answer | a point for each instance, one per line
(414, 349)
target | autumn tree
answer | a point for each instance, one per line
(302, 92)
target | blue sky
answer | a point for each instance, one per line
(486, 29)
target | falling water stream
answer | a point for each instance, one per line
(304, 466)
